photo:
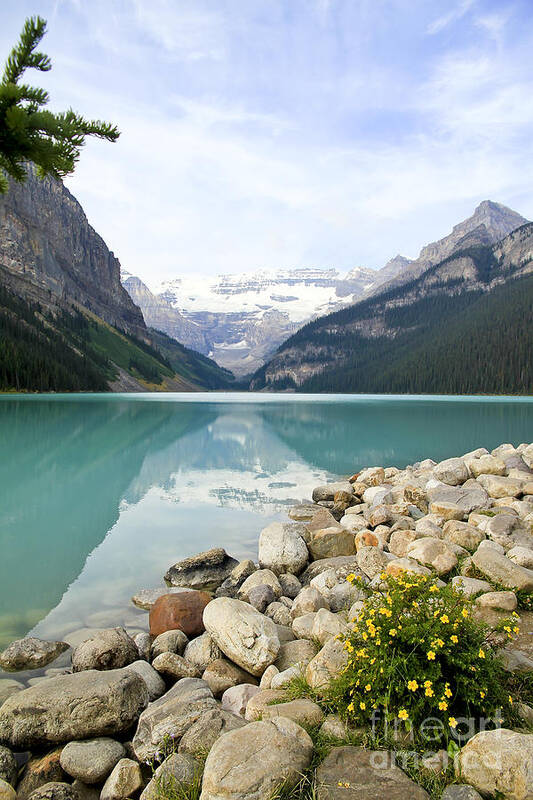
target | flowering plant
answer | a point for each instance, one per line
(415, 651)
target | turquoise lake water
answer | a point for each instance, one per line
(100, 494)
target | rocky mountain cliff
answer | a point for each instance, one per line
(489, 223)
(240, 320)
(341, 350)
(51, 255)
(66, 321)
(158, 313)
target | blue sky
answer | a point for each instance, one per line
(289, 133)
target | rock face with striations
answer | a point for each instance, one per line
(51, 255)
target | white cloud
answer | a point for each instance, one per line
(457, 13)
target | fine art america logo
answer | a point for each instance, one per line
(432, 731)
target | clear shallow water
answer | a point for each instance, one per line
(99, 494)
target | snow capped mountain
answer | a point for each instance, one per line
(241, 319)
(299, 294)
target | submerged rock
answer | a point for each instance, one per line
(30, 653)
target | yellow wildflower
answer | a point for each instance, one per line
(412, 686)
(362, 706)
(454, 638)
(443, 705)
(482, 695)
(448, 692)
(368, 687)
(433, 588)
(431, 655)
(393, 632)
(481, 653)
(452, 722)
(429, 691)
(510, 700)
(402, 714)
(464, 612)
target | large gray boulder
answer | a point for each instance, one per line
(173, 641)
(243, 634)
(92, 760)
(499, 763)
(171, 716)
(154, 682)
(469, 496)
(124, 781)
(206, 570)
(282, 549)
(300, 651)
(433, 553)
(352, 772)
(112, 648)
(261, 577)
(328, 490)
(498, 487)
(202, 650)
(79, 706)
(9, 686)
(253, 762)
(500, 569)
(326, 665)
(55, 790)
(222, 674)
(452, 471)
(30, 653)
(201, 736)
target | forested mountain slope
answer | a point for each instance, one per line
(463, 326)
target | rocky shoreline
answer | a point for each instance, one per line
(205, 695)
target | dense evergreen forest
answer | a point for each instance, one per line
(70, 352)
(469, 343)
(192, 365)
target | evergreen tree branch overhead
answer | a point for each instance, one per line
(28, 131)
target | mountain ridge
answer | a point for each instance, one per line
(331, 343)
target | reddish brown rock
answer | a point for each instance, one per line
(181, 611)
(39, 771)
